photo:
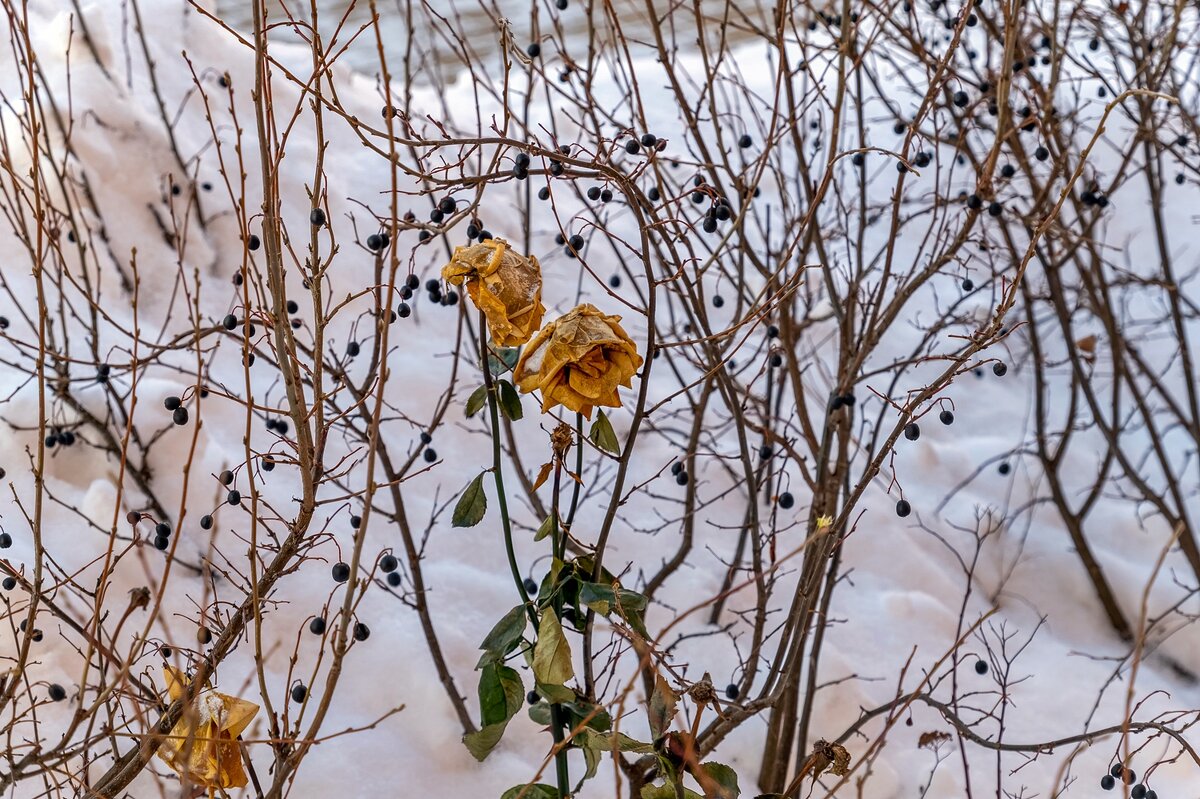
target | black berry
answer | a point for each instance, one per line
(341, 572)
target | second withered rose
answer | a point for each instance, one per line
(203, 744)
(579, 361)
(504, 284)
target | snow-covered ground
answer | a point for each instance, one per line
(901, 601)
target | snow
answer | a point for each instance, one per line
(905, 587)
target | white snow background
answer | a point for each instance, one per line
(905, 591)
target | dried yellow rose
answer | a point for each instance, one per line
(203, 744)
(578, 361)
(504, 284)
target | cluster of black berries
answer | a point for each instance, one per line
(388, 564)
(572, 246)
(36, 635)
(162, 536)
(378, 242)
(596, 193)
(846, 400)
(1094, 197)
(179, 413)
(520, 169)
(443, 209)
(1129, 777)
(719, 211)
(433, 288)
(317, 626)
(61, 437)
(476, 230)
(681, 475)
(648, 140)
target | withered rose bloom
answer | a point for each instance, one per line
(504, 284)
(579, 360)
(203, 744)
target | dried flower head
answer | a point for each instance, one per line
(832, 758)
(703, 691)
(579, 361)
(561, 439)
(504, 284)
(203, 744)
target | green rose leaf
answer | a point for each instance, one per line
(606, 599)
(535, 791)
(557, 694)
(666, 791)
(481, 742)
(504, 637)
(595, 744)
(551, 654)
(510, 401)
(476, 400)
(662, 708)
(502, 359)
(501, 694)
(471, 506)
(545, 528)
(722, 782)
(602, 435)
(540, 714)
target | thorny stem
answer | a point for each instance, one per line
(498, 472)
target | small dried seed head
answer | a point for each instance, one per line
(561, 440)
(702, 692)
